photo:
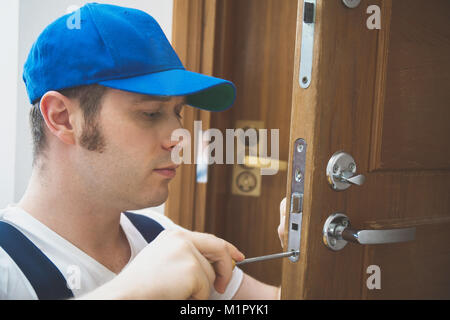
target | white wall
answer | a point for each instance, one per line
(9, 32)
(21, 23)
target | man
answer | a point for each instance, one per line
(106, 98)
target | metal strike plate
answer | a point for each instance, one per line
(296, 199)
(306, 50)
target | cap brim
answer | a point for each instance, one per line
(201, 91)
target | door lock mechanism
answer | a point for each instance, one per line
(297, 191)
(341, 170)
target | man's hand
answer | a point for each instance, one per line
(281, 233)
(176, 265)
(218, 252)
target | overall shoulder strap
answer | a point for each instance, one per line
(45, 278)
(148, 227)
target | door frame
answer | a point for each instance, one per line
(193, 37)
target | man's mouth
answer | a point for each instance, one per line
(168, 172)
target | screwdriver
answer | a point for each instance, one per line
(267, 257)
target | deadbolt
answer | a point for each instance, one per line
(341, 171)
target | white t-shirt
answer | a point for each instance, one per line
(82, 273)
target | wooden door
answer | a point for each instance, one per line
(381, 95)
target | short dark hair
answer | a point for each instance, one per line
(89, 97)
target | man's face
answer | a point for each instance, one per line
(135, 131)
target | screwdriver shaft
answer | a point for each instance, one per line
(268, 257)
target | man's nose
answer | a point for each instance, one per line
(170, 144)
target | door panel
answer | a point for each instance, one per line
(414, 90)
(382, 96)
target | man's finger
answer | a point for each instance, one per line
(212, 247)
(203, 289)
(224, 272)
(282, 220)
(205, 264)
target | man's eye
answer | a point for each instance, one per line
(178, 111)
(152, 115)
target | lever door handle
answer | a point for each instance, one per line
(357, 180)
(378, 236)
(337, 232)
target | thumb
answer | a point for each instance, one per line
(282, 221)
(282, 208)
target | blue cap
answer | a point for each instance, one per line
(121, 48)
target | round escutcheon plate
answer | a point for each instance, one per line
(330, 239)
(351, 3)
(246, 181)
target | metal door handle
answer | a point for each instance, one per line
(357, 180)
(337, 232)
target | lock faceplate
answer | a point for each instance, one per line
(296, 198)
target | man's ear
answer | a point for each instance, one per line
(60, 116)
